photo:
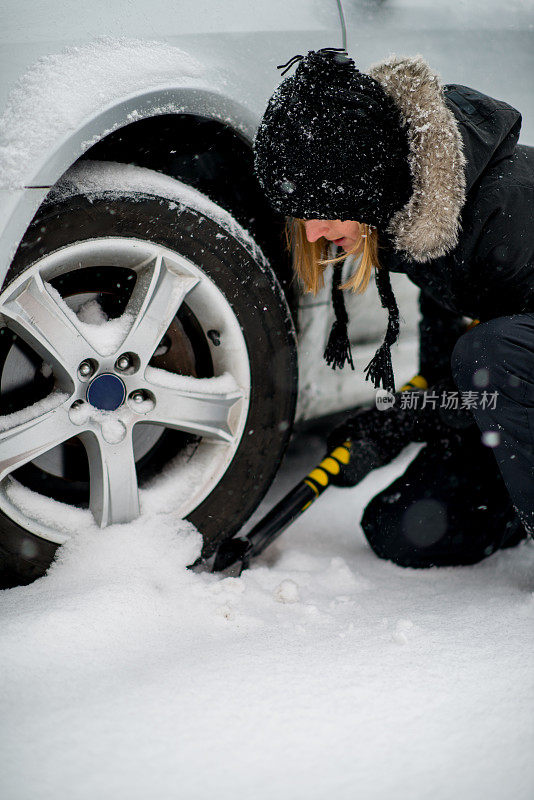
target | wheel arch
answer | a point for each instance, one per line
(199, 137)
(214, 156)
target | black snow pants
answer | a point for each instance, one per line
(466, 496)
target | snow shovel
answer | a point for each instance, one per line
(233, 555)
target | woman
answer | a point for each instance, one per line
(427, 180)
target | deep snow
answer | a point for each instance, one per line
(321, 672)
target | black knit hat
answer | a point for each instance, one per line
(332, 145)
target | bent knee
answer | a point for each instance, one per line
(405, 532)
(494, 353)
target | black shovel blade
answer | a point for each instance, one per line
(232, 551)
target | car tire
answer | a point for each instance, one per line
(97, 206)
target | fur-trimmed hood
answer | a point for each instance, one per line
(428, 225)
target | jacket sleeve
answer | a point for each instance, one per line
(414, 416)
(439, 330)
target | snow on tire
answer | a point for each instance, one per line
(147, 363)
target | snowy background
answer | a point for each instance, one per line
(486, 44)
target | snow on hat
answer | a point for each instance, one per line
(331, 144)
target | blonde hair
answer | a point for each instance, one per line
(310, 258)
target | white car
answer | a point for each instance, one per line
(154, 350)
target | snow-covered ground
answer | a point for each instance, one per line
(321, 672)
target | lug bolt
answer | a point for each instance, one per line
(123, 363)
(142, 401)
(79, 412)
(86, 369)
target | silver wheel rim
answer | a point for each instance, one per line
(95, 361)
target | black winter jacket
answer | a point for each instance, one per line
(467, 237)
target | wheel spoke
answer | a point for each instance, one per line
(200, 413)
(114, 496)
(32, 438)
(44, 322)
(158, 294)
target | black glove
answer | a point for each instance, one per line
(364, 458)
(378, 436)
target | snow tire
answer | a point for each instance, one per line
(236, 265)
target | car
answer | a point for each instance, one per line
(155, 351)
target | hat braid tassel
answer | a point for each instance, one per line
(380, 368)
(338, 351)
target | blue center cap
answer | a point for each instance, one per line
(106, 392)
